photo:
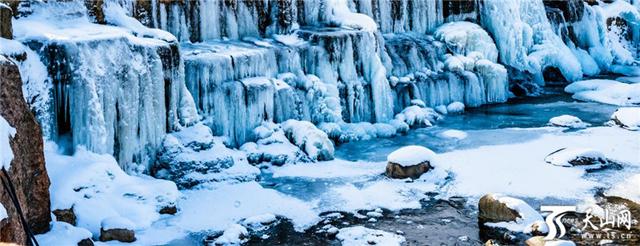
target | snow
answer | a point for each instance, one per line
(96, 188)
(6, 154)
(628, 117)
(455, 108)
(248, 199)
(629, 79)
(417, 116)
(412, 155)
(627, 188)
(232, 236)
(605, 91)
(564, 156)
(528, 216)
(62, 233)
(116, 223)
(455, 134)
(463, 38)
(312, 140)
(340, 15)
(568, 121)
(3, 213)
(290, 39)
(359, 235)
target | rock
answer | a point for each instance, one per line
(117, 228)
(66, 215)
(168, 210)
(569, 157)
(568, 121)
(492, 210)
(5, 21)
(85, 242)
(627, 118)
(122, 235)
(540, 241)
(409, 162)
(27, 172)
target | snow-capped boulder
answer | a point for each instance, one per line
(568, 121)
(455, 108)
(62, 233)
(117, 228)
(193, 156)
(273, 146)
(310, 139)
(628, 118)
(464, 38)
(569, 157)
(416, 116)
(496, 210)
(410, 162)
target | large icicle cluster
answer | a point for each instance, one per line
(113, 92)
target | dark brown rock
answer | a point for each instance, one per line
(27, 172)
(492, 210)
(398, 171)
(66, 215)
(122, 235)
(85, 242)
(5, 21)
(169, 210)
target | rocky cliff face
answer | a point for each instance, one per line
(27, 172)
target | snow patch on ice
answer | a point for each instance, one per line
(456, 134)
(359, 235)
(605, 91)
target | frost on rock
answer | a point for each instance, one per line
(569, 157)
(525, 39)
(628, 118)
(96, 188)
(273, 146)
(529, 219)
(359, 235)
(193, 156)
(6, 154)
(310, 139)
(605, 91)
(568, 121)
(113, 92)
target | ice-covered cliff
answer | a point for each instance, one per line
(117, 75)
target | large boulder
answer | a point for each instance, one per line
(409, 162)
(27, 171)
(117, 228)
(492, 210)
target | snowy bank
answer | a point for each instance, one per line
(605, 91)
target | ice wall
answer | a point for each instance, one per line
(112, 92)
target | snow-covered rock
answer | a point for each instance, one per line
(310, 139)
(273, 146)
(455, 108)
(359, 235)
(193, 156)
(97, 188)
(568, 121)
(415, 116)
(605, 91)
(117, 228)
(410, 162)
(496, 210)
(234, 235)
(569, 157)
(62, 233)
(628, 118)
(463, 38)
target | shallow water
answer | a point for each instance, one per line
(486, 125)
